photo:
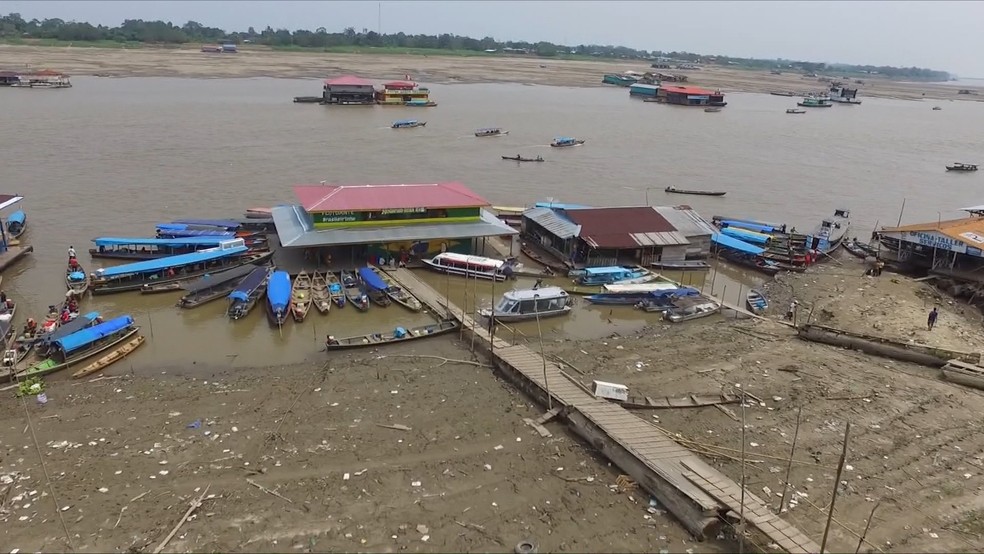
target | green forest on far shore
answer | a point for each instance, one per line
(14, 29)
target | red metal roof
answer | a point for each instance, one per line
(349, 81)
(687, 90)
(400, 84)
(345, 198)
(620, 227)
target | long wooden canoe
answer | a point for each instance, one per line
(111, 358)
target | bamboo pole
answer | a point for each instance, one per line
(789, 466)
(837, 479)
(741, 525)
(866, 527)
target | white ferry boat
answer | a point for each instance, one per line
(523, 304)
(473, 266)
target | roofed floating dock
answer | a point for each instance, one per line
(698, 495)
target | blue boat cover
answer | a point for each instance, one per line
(172, 226)
(758, 227)
(735, 244)
(76, 276)
(335, 288)
(159, 264)
(140, 241)
(17, 217)
(71, 327)
(616, 269)
(564, 139)
(227, 224)
(278, 291)
(88, 336)
(746, 236)
(249, 284)
(370, 278)
(559, 206)
(196, 233)
(404, 121)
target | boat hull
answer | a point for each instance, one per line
(465, 272)
(111, 358)
(164, 285)
(378, 339)
(510, 317)
(50, 365)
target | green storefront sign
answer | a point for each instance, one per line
(396, 216)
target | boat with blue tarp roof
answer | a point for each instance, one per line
(183, 267)
(212, 286)
(248, 292)
(399, 334)
(375, 286)
(758, 227)
(612, 274)
(80, 345)
(278, 297)
(225, 224)
(139, 248)
(491, 132)
(746, 235)
(633, 298)
(407, 124)
(561, 142)
(76, 278)
(16, 224)
(175, 232)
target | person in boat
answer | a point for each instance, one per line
(539, 158)
(71, 252)
(538, 284)
(169, 272)
(73, 264)
(31, 327)
(3, 297)
(331, 341)
(399, 333)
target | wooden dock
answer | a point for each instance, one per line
(697, 494)
(13, 254)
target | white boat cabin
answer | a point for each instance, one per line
(531, 303)
(473, 266)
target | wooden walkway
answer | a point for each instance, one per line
(696, 493)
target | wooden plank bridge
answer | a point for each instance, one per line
(697, 494)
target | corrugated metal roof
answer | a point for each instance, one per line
(625, 227)
(348, 81)
(339, 198)
(553, 222)
(686, 221)
(295, 229)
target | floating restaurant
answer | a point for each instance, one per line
(644, 90)
(593, 237)
(42, 78)
(690, 96)
(954, 248)
(351, 224)
(349, 90)
(402, 93)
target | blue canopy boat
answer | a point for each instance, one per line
(278, 297)
(375, 286)
(176, 230)
(408, 123)
(172, 269)
(80, 345)
(137, 248)
(224, 224)
(16, 224)
(614, 274)
(757, 227)
(561, 142)
(633, 298)
(746, 236)
(250, 289)
(77, 324)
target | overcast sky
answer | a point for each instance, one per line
(937, 35)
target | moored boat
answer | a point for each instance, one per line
(781, 93)
(625, 274)
(407, 124)
(76, 278)
(400, 334)
(319, 293)
(420, 103)
(300, 296)
(278, 297)
(213, 286)
(525, 304)
(692, 308)
(375, 287)
(682, 265)
(795, 111)
(473, 266)
(814, 102)
(16, 224)
(830, 233)
(248, 293)
(562, 142)
(757, 302)
(518, 158)
(111, 358)
(82, 345)
(353, 292)
(712, 109)
(642, 295)
(124, 248)
(491, 132)
(957, 166)
(859, 249)
(695, 192)
(335, 290)
(398, 294)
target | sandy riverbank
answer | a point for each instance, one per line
(258, 62)
(124, 462)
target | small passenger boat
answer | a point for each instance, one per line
(248, 292)
(81, 345)
(859, 249)
(625, 274)
(525, 304)
(630, 295)
(781, 93)
(757, 302)
(695, 192)
(491, 132)
(111, 358)
(335, 290)
(682, 265)
(319, 293)
(398, 295)
(16, 224)
(937, 108)
(213, 286)
(300, 296)
(795, 111)
(278, 297)
(124, 248)
(76, 278)
(477, 267)
(712, 109)
(375, 287)
(420, 103)
(813, 102)
(400, 334)
(561, 142)
(957, 166)
(518, 158)
(692, 308)
(353, 292)
(407, 124)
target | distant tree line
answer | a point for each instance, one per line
(13, 26)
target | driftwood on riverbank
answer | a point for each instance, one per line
(908, 352)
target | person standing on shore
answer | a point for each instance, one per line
(931, 321)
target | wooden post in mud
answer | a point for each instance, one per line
(464, 309)
(492, 324)
(789, 466)
(475, 307)
(741, 514)
(546, 386)
(837, 480)
(738, 302)
(867, 525)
